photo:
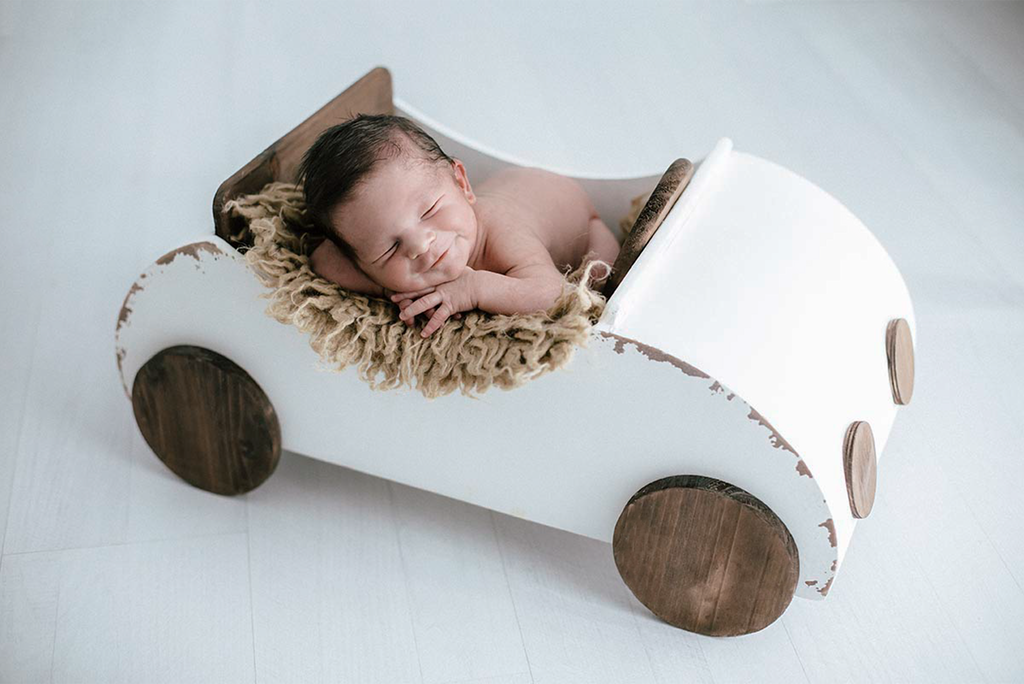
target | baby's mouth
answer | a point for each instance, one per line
(443, 255)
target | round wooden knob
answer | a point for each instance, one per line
(207, 419)
(706, 556)
(899, 349)
(859, 464)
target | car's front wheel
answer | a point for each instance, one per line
(706, 556)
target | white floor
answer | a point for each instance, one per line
(119, 120)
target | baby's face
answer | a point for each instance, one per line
(407, 214)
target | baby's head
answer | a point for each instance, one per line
(384, 192)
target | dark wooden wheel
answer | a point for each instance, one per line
(899, 350)
(706, 556)
(207, 419)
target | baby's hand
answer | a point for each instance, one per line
(438, 301)
(427, 314)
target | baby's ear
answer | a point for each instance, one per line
(462, 178)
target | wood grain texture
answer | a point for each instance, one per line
(371, 94)
(207, 419)
(706, 556)
(899, 350)
(860, 466)
(659, 204)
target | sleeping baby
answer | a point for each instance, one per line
(403, 222)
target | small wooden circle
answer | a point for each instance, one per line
(860, 466)
(706, 556)
(207, 419)
(899, 349)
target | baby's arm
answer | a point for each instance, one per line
(529, 290)
(329, 262)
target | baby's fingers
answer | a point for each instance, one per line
(401, 309)
(420, 305)
(409, 295)
(435, 322)
(429, 314)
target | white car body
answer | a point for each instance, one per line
(747, 336)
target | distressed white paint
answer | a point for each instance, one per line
(770, 285)
(757, 278)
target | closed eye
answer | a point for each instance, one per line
(432, 207)
(384, 255)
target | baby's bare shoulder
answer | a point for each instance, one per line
(518, 252)
(540, 187)
(540, 221)
(556, 205)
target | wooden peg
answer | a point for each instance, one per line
(859, 464)
(899, 349)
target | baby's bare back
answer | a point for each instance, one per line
(553, 208)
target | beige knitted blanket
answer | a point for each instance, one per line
(349, 328)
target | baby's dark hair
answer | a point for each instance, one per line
(342, 158)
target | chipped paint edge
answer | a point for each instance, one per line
(193, 249)
(775, 438)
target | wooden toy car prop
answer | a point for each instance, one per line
(720, 429)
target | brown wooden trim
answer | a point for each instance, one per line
(207, 419)
(371, 94)
(706, 556)
(662, 199)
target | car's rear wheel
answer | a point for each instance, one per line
(207, 419)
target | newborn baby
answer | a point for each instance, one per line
(403, 221)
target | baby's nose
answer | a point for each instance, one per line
(424, 245)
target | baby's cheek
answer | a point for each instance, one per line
(395, 281)
(406, 284)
